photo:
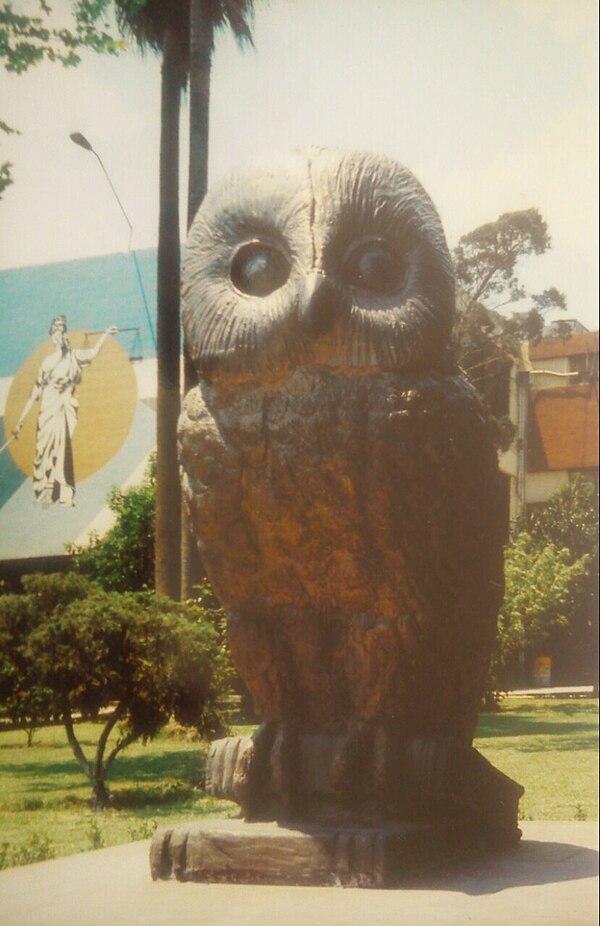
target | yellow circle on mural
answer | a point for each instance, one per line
(106, 397)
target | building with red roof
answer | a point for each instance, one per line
(554, 407)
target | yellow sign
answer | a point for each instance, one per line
(542, 671)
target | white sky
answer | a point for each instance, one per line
(492, 103)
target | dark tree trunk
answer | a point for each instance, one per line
(100, 795)
(201, 29)
(168, 493)
(201, 41)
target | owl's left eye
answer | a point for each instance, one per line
(373, 266)
(259, 268)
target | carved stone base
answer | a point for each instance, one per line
(267, 853)
(364, 779)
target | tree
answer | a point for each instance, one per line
(164, 27)
(570, 521)
(167, 28)
(486, 260)
(23, 696)
(28, 40)
(541, 587)
(23, 700)
(551, 571)
(137, 657)
(486, 264)
(123, 559)
(206, 18)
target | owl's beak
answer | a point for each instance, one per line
(319, 303)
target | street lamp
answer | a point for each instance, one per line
(79, 139)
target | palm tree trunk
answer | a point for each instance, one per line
(168, 492)
(201, 43)
(201, 27)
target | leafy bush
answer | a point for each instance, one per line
(570, 519)
(138, 657)
(23, 696)
(541, 586)
(551, 571)
(123, 559)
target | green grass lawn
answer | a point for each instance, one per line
(45, 796)
(549, 746)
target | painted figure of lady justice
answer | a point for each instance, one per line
(57, 379)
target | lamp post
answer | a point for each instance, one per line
(79, 139)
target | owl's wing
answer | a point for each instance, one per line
(436, 494)
(212, 475)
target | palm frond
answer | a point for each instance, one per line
(239, 15)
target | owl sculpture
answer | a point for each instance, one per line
(342, 485)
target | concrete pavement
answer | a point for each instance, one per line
(550, 879)
(581, 691)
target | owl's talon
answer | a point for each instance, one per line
(260, 772)
(237, 769)
(252, 772)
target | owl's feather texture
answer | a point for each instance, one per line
(353, 541)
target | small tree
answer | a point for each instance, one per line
(570, 521)
(26, 703)
(551, 569)
(541, 587)
(137, 657)
(23, 697)
(123, 559)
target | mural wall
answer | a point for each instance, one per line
(77, 399)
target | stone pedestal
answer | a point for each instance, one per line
(268, 853)
(424, 804)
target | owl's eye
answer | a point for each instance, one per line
(372, 265)
(259, 268)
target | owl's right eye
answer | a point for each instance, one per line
(374, 267)
(259, 268)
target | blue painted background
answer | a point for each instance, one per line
(92, 293)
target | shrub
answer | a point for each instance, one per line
(138, 657)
